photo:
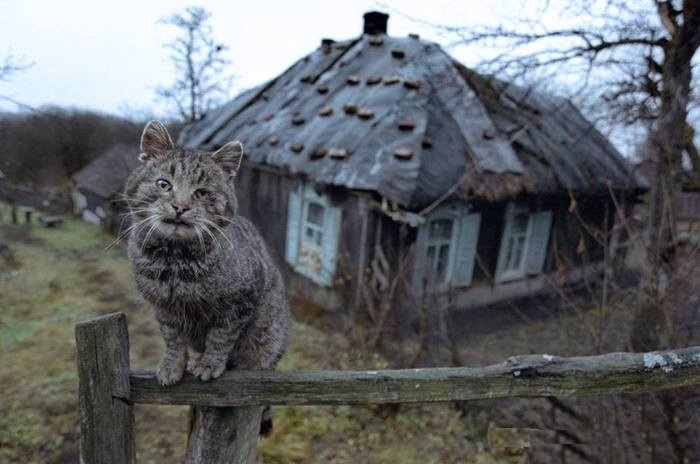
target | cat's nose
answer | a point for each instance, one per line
(180, 209)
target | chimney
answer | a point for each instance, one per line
(327, 45)
(375, 23)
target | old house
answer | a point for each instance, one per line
(381, 166)
(98, 187)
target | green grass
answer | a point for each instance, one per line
(66, 274)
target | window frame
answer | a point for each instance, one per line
(462, 254)
(535, 246)
(515, 273)
(439, 243)
(305, 223)
(296, 240)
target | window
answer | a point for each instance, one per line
(313, 226)
(524, 243)
(439, 243)
(446, 247)
(515, 242)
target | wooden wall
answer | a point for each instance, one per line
(263, 193)
(262, 196)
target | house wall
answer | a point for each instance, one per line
(572, 251)
(566, 232)
(89, 206)
(262, 196)
(564, 264)
(110, 214)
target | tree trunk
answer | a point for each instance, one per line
(667, 142)
(667, 137)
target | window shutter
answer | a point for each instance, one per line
(539, 238)
(420, 259)
(465, 250)
(501, 265)
(331, 234)
(293, 226)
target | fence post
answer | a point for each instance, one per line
(223, 435)
(106, 414)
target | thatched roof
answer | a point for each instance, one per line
(106, 174)
(400, 117)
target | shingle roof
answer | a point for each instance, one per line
(400, 117)
(106, 174)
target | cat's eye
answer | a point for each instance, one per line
(199, 193)
(164, 184)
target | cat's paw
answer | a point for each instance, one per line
(206, 369)
(170, 371)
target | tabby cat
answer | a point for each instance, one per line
(204, 268)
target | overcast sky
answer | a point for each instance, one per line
(109, 56)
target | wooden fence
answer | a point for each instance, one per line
(108, 389)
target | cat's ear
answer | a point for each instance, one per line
(155, 141)
(229, 157)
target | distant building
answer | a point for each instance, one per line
(382, 159)
(99, 185)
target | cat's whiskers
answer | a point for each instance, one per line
(124, 216)
(213, 237)
(154, 225)
(218, 229)
(199, 236)
(230, 221)
(224, 218)
(124, 234)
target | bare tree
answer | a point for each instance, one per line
(201, 80)
(629, 61)
(11, 66)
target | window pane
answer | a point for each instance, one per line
(441, 265)
(314, 214)
(319, 237)
(520, 224)
(519, 252)
(515, 253)
(440, 230)
(509, 254)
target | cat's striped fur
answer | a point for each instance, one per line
(205, 269)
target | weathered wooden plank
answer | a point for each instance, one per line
(106, 414)
(223, 435)
(524, 376)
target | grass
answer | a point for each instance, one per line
(66, 274)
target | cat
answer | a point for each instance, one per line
(204, 268)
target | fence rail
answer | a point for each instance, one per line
(108, 389)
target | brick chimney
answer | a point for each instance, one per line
(375, 23)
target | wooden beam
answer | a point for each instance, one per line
(106, 414)
(523, 376)
(223, 435)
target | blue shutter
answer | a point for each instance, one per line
(331, 234)
(465, 249)
(293, 226)
(501, 265)
(539, 238)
